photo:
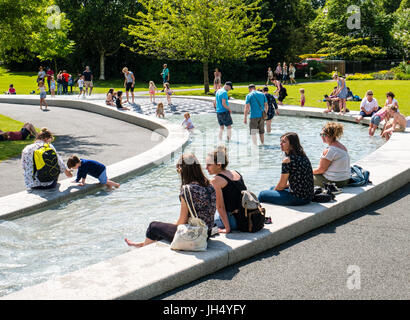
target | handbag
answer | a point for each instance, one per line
(264, 113)
(192, 236)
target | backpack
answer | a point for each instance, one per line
(359, 177)
(322, 195)
(251, 217)
(45, 163)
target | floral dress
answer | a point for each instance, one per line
(27, 159)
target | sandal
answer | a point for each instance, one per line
(268, 220)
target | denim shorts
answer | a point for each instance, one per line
(103, 177)
(375, 120)
(232, 221)
(224, 119)
(364, 115)
(43, 95)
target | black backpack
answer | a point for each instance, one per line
(45, 163)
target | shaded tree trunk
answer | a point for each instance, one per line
(102, 65)
(206, 76)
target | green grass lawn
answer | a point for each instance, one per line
(314, 92)
(24, 82)
(9, 149)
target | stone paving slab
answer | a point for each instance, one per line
(152, 270)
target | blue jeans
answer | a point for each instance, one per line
(231, 218)
(283, 198)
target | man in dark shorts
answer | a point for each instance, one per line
(88, 80)
(129, 83)
(27, 130)
(223, 111)
(256, 103)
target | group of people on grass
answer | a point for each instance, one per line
(282, 72)
(218, 200)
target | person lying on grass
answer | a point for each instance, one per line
(27, 130)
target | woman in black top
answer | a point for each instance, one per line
(295, 186)
(228, 185)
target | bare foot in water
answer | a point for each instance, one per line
(134, 244)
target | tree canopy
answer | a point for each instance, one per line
(200, 30)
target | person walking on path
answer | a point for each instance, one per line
(256, 103)
(43, 95)
(88, 80)
(292, 72)
(223, 111)
(60, 83)
(41, 75)
(129, 83)
(31, 177)
(165, 76)
(65, 77)
(285, 73)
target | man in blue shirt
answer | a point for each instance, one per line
(223, 111)
(256, 103)
(165, 76)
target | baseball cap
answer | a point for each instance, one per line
(229, 83)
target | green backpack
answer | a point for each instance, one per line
(46, 164)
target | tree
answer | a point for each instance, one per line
(98, 25)
(207, 31)
(50, 41)
(401, 30)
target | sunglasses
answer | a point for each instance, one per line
(323, 134)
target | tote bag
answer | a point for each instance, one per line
(192, 236)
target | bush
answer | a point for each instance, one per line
(383, 75)
(359, 76)
(402, 76)
(323, 76)
(317, 67)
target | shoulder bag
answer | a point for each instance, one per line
(192, 236)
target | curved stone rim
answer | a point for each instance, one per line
(26, 202)
(161, 269)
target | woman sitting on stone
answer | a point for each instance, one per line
(295, 186)
(203, 197)
(27, 130)
(334, 165)
(228, 185)
(109, 100)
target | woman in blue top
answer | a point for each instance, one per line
(91, 167)
(341, 92)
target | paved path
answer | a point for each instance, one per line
(375, 239)
(87, 134)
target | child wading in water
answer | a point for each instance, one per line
(91, 167)
(168, 92)
(152, 90)
(43, 95)
(160, 110)
(188, 122)
(302, 97)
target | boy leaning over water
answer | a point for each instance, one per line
(91, 167)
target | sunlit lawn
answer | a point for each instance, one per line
(314, 92)
(10, 149)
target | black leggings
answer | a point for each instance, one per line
(161, 231)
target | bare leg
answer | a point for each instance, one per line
(269, 126)
(30, 128)
(229, 133)
(262, 137)
(221, 131)
(111, 184)
(140, 244)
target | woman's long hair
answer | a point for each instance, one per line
(294, 142)
(190, 170)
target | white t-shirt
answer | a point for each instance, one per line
(368, 106)
(339, 169)
(394, 102)
(81, 83)
(188, 124)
